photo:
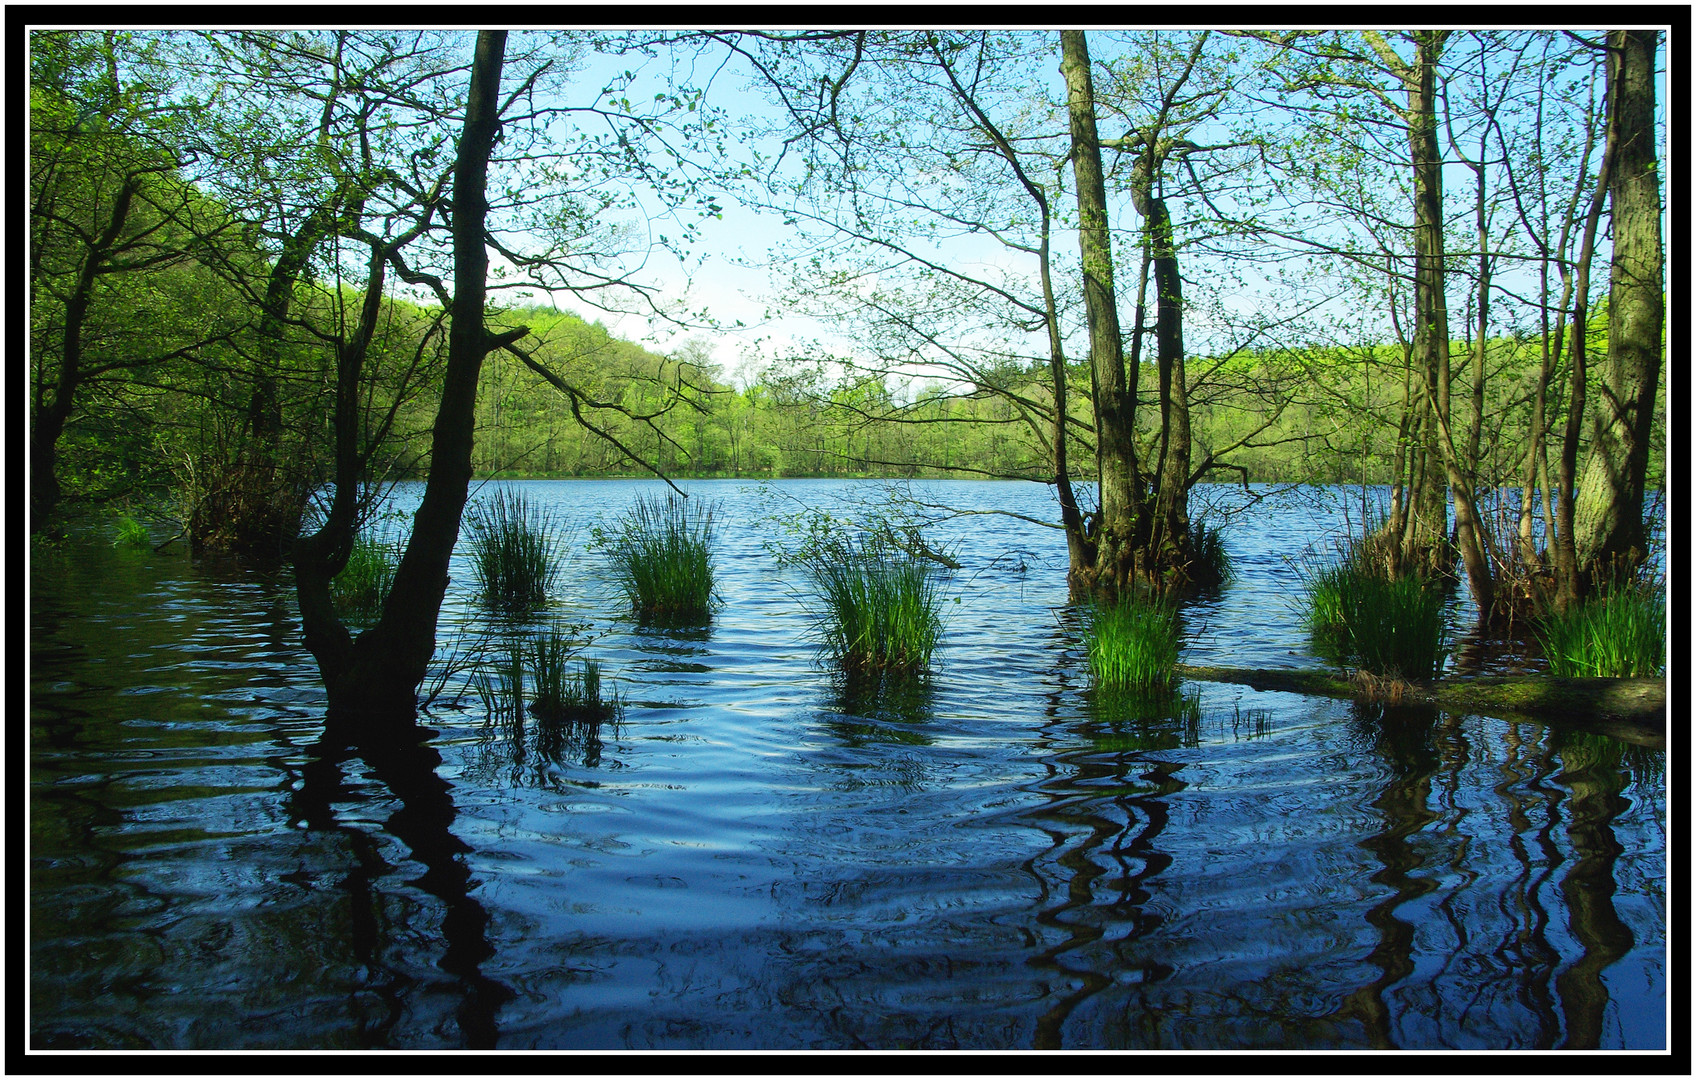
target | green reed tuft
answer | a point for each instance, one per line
(661, 555)
(131, 534)
(513, 551)
(363, 584)
(877, 609)
(1210, 564)
(562, 692)
(1621, 634)
(1358, 616)
(1132, 645)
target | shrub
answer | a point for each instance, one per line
(661, 556)
(363, 584)
(1620, 634)
(513, 554)
(1133, 645)
(878, 609)
(1360, 617)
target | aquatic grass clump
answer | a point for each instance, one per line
(1210, 564)
(877, 609)
(363, 584)
(564, 693)
(661, 554)
(131, 534)
(1133, 645)
(1619, 635)
(1357, 616)
(513, 552)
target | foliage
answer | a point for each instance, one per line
(661, 551)
(1133, 645)
(877, 609)
(1360, 617)
(363, 584)
(513, 551)
(1619, 634)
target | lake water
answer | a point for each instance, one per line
(747, 860)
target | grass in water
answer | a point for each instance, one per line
(1210, 564)
(1133, 646)
(661, 555)
(1618, 635)
(363, 584)
(131, 534)
(563, 692)
(513, 552)
(1359, 617)
(878, 609)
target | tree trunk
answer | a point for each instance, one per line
(1171, 508)
(1425, 546)
(51, 417)
(1608, 526)
(376, 690)
(1118, 525)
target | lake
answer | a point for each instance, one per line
(748, 860)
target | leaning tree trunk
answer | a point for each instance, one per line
(1608, 530)
(376, 689)
(1118, 526)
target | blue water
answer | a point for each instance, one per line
(747, 860)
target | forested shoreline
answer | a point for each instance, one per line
(274, 272)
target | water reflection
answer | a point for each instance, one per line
(421, 821)
(1108, 805)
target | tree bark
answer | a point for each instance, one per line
(1425, 545)
(1608, 527)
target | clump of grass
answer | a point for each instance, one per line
(661, 556)
(1210, 564)
(1133, 645)
(513, 552)
(131, 534)
(878, 609)
(1618, 635)
(563, 693)
(1360, 617)
(363, 584)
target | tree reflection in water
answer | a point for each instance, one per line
(1433, 973)
(408, 768)
(1116, 795)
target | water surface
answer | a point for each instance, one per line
(749, 860)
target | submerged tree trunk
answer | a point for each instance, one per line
(373, 683)
(1608, 524)
(1171, 540)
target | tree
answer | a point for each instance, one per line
(113, 231)
(372, 680)
(1608, 525)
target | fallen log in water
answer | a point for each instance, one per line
(1629, 709)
